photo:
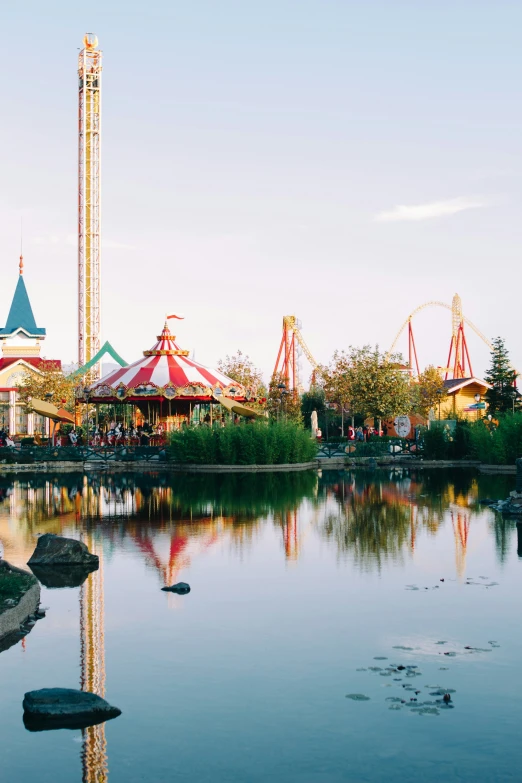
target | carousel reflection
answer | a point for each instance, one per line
(168, 522)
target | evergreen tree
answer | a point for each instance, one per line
(501, 376)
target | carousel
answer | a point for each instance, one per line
(166, 390)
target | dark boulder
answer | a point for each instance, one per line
(180, 587)
(58, 576)
(65, 708)
(57, 550)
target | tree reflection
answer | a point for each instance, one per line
(377, 515)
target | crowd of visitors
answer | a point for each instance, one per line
(363, 434)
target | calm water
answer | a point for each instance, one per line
(297, 582)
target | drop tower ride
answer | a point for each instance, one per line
(89, 202)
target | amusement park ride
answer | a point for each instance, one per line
(458, 364)
(89, 202)
(287, 362)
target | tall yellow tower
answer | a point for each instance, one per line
(89, 201)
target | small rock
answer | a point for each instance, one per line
(181, 588)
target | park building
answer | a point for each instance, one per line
(21, 341)
(466, 398)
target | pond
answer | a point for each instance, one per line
(394, 588)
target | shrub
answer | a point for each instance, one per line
(436, 443)
(500, 444)
(256, 443)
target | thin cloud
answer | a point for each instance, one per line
(433, 209)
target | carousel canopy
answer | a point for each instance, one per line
(165, 372)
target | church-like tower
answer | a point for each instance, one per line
(21, 340)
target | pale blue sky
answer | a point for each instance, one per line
(254, 155)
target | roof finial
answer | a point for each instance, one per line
(21, 248)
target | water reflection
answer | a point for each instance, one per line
(376, 516)
(370, 517)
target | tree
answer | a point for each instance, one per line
(282, 402)
(503, 395)
(380, 388)
(371, 383)
(338, 378)
(428, 392)
(241, 368)
(48, 383)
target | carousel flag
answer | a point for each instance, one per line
(179, 317)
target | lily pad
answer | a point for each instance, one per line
(393, 698)
(361, 670)
(426, 710)
(357, 697)
(401, 647)
(442, 642)
(380, 658)
(385, 674)
(395, 707)
(375, 668)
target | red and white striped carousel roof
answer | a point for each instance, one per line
(165, 365)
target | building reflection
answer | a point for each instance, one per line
(170, 520)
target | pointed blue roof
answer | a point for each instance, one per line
(21, 313)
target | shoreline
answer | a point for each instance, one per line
(323, 463)
(13, 616)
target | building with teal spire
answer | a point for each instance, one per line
(21, 340)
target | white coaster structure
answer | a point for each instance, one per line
(89, 202)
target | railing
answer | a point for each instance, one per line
(103, 454)
(391, 447)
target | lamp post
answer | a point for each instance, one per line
(86, 395)
(440, 392)
(282, 391)
(477, 400)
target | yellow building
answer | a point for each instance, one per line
(465, 395)
(20, 340)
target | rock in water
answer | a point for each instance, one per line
(65, 708)
(180, 587)
(57, 550)
(58, 576)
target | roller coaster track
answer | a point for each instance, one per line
(435, 303)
